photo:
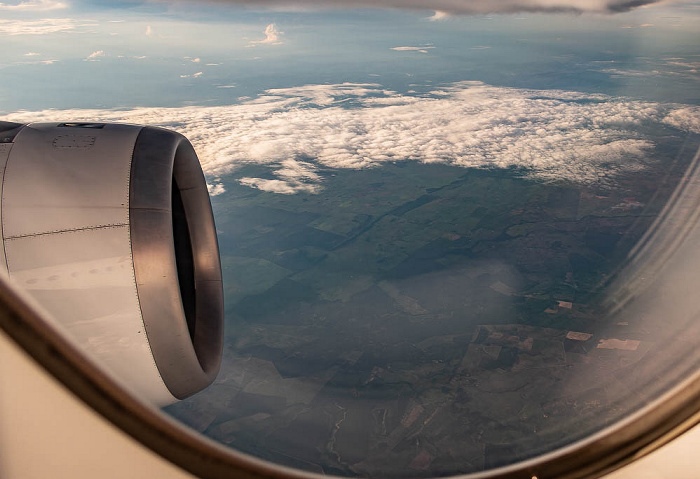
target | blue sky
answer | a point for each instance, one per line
(90, 54)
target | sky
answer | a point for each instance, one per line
(565, 89)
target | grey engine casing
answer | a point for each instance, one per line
(109, 228)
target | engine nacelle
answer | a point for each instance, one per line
(109, 227)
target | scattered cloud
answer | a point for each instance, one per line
(149, 31)
(438, 15)
(216, 187)
(38, 62)
(194, 75)
(196, 60)
(226, 86)
(295, 177)
(643, 25)
(95, 56)
(37, 27)
(480, 47)
(303, 132)
(446, 7)
(272, 36)
(32, 54)
(675, 67)
(413, 49)
(275, 186)
(693, 65)
(32, 6)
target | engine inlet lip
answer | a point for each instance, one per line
(188, 356)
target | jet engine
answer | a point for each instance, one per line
(110, 229)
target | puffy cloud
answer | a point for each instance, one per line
(687, 118)
(272, 36)
(37, 27)
(438, 15)
(278, 186)
(546, 135)
(325, 94)
(216, 188)
(446, 7)
(295, 176)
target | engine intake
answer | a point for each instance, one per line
(109, 227)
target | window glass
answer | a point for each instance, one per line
(451, 239)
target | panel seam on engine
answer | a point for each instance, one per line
(70, 230)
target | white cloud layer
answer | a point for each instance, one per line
(32, 6)
(445, 7)
(548, 135)
(37, 27)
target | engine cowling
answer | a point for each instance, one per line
(110, 228)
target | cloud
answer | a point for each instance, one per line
(95, 56)
(272, 36)
(295, 177)
(277, 186)
(32, 54)
(643, 25)
(446, 7)
(194, 75)
(32, 6)
(438, 15)
(149, 31)
(413, 49)
(38, 62)
(687, 119)
(676, 67)
(216, 188)
(37, 27)
(302, 133)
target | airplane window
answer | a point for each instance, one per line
(453, 237)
